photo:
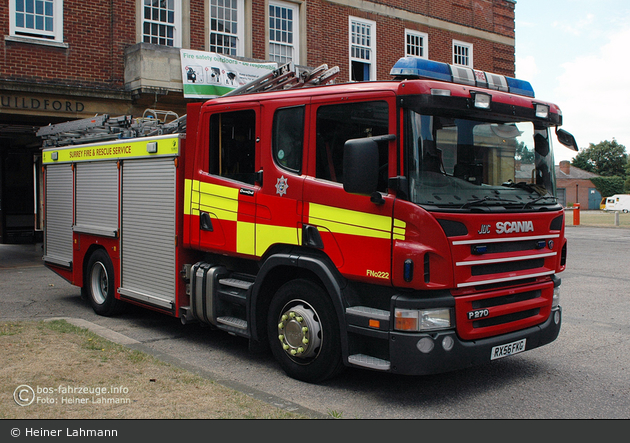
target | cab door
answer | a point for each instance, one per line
(279, 204)
(356, 232)
(225, 188)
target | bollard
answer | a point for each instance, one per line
(576, 214)
(616, 218)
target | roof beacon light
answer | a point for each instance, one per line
(416, 67)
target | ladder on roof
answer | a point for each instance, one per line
(287, 77)
(155, 122)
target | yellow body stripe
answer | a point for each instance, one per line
(345, 221)
(245, 236)
(254, 239)
(267, 235)
(399, 229)
(188, 210)
(221, 200)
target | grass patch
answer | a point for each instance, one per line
(76, 374)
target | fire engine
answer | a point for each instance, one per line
(407, 226)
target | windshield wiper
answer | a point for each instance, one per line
(540, 190)
(527, 205)
(486, 200)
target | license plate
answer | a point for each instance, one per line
(508, 349)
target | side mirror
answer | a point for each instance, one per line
(360, 166)
(566, 139)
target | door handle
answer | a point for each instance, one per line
(205, 223)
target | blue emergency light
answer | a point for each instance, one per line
(416, 67)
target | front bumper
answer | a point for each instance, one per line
(407, 358)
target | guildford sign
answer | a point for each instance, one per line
(27, 103)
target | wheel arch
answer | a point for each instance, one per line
(283, 267)
(84, 265)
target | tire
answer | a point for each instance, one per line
(303, 332)
(100, 284)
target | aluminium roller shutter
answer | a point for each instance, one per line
(148, 250)
(59, 216)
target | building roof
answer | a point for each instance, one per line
(565, 170)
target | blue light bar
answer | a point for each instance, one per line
(520, 87)
(416, 67)
(410, 67)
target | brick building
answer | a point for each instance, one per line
(70, 59)
(574, 186)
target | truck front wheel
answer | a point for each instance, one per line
(101, 284)
(304, 332)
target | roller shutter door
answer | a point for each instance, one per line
(97, 198)
(148, 271)
(58, 228)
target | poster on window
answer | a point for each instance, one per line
(207, 74)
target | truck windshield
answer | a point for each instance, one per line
(461, 164)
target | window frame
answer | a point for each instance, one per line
(177, 24)
(218, 147)
(328, 159)
(469, 56)
(371, 25)
(275, 130)
(295, 45)
(44, 37)
(424, 48)
(240, 31)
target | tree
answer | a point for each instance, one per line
(607, 158)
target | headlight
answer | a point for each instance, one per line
(556, 297)
(422, 319)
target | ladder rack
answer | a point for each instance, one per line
(155, 122)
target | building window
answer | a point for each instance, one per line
(41, 19)
(462, 54)
(416, 44)
(226, 26)
(362, 49)
(283, 32)
(161, 22)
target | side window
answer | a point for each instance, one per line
(288, 138)
(338, 123)
(233, 145)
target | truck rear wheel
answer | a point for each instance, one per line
(101, 284)
(304, 332)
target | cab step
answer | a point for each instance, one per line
(234, 290)
(367, 361)
(233, 325)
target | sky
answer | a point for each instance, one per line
(576, 54)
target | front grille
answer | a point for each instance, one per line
(516, 246)
(505, 299)
(496, 268)
(505, 318)
(497, 312)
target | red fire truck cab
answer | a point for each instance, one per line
(407, 226)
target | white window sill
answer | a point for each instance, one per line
(35, 41)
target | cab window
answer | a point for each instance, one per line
(288, 138)
(338, 123)
(233, 145)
